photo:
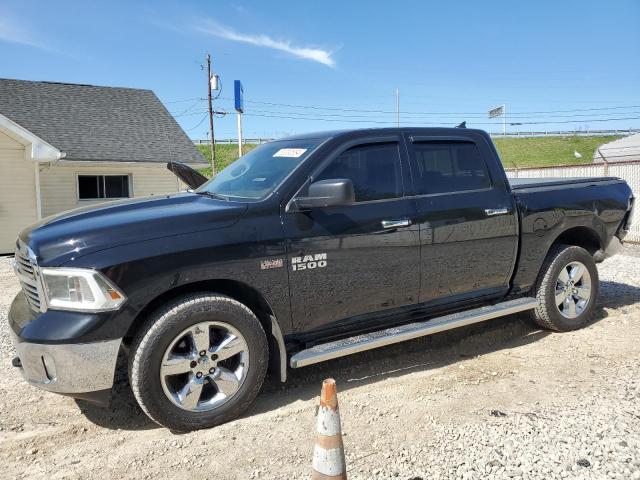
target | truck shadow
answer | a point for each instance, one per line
(422, 354)
(123, 413)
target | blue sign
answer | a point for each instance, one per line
(238, 96)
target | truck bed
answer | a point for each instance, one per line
(549, 207)
(522, 183)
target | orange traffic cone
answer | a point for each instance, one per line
(328, 453)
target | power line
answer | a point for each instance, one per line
(369, 120)
(198, 124)
(582, 121)
(183, 100)
(456, 117)
(188, 109)
(190, 113)
(432, 123)
(574, 115)
(586, 109)
(219, 113)
(359, 110)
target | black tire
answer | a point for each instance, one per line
(162, 327)
(547, 314)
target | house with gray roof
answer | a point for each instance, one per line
(625, 149)
(65, 145)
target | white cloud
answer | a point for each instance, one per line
(239, 8)
(12, 31)
(315, 54)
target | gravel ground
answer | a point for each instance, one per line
(499, 400)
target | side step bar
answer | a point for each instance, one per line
(381, 338)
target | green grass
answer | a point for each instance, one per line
(523, 152)
(548, 151)
(225, 155)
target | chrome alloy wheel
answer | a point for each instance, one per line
(573, 290)
(204, 366)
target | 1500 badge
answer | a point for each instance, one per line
(308, 262)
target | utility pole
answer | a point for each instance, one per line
(239, 134)
(398, 107)
(213, 142)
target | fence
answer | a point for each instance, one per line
(550, 133)
(629, 171)
(567, 133)
(234, 141)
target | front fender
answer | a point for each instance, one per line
(147, 270)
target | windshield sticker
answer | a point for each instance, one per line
(259, 179)
(290, 152)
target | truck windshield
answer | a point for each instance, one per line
(255, 175)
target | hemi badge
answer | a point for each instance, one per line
(268, 264)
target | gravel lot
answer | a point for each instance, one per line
(500, 400)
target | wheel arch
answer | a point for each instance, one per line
(580, 236)
(237, 290)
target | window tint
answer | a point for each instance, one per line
(103, 186)
(449, 167)
(374, 170)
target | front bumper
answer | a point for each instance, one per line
(68, 368)
(84, 370)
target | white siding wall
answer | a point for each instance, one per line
(58, 183)
(17, 192)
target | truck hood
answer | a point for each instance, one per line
(57, 239)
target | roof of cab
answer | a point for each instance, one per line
(415, 130)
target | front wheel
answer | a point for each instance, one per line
(198, 362)
(567, 289)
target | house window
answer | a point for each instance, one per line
(91, 187)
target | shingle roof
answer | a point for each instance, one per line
(94, 123)
(625, 149)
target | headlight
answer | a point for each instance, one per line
(80, 289)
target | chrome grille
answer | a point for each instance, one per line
(27, 271)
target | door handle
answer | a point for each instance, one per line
(492, 212)
(405, 222)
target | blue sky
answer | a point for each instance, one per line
(451, 61)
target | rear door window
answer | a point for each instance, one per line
(374, 170)
(445, 167)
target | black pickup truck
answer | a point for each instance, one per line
(305, 249)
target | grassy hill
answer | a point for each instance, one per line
(225, 154)
(523, 152)
(548, 151)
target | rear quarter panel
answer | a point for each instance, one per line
(547, 212)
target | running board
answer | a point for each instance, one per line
(381, 338)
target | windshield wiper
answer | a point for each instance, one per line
(217, 196)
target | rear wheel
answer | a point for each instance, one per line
(198, 362)
(566, 289)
